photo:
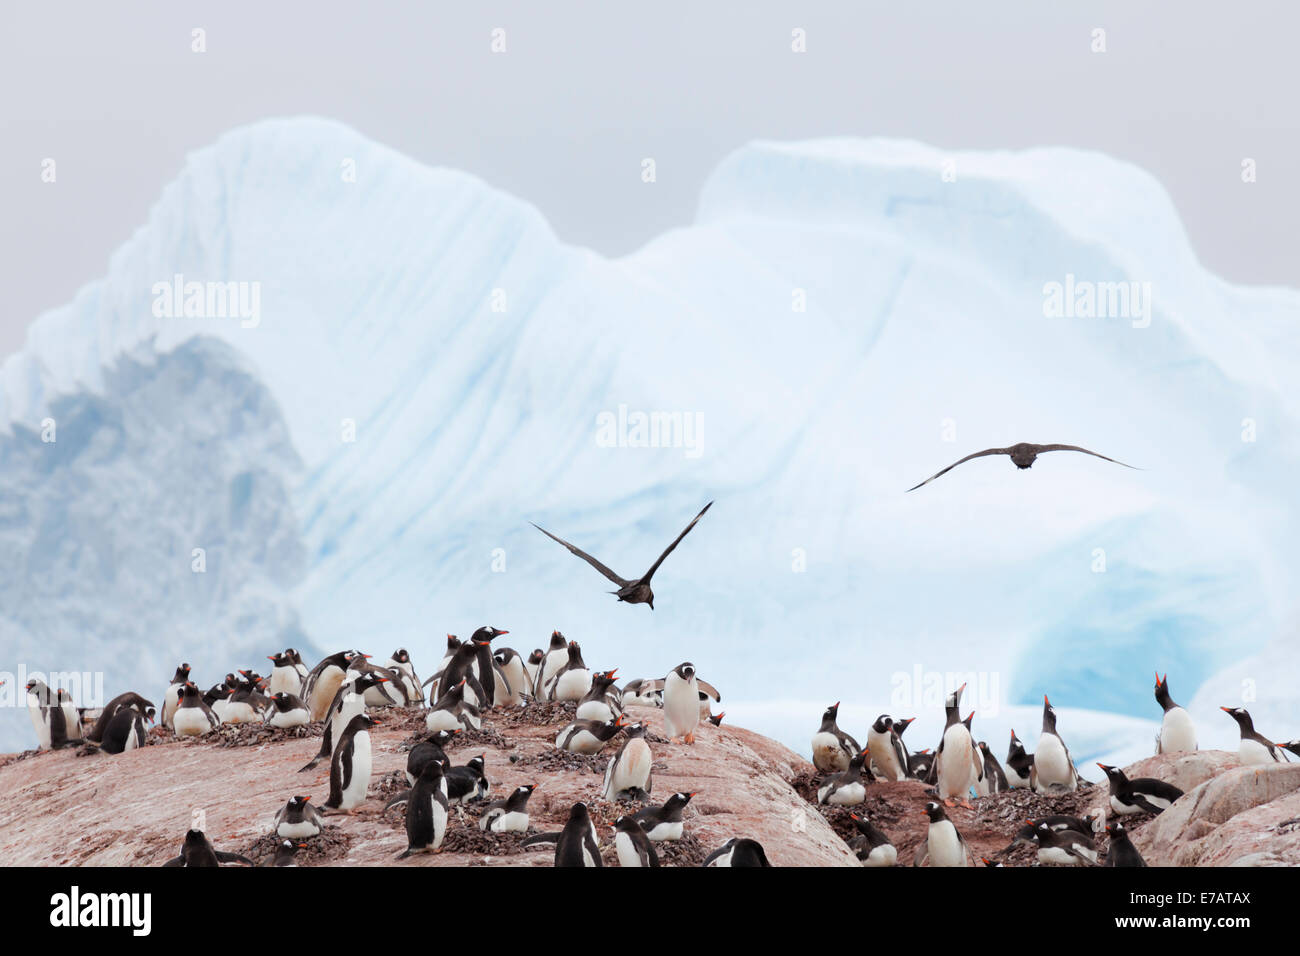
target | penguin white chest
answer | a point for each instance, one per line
(884, 758)
(956, 763)
(883, 855)
(945, 845)
(681, 705)
(354, 794)
(441, 720)
(1177, 731)
(1052, 764)
(285, 680)
(289, 718)
(626, 849)
(573, 685)
(1253, 752)
(512, 822)
(827, 753)
(633, 768)
(190, 722)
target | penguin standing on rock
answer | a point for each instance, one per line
(323, 681)
(516, 675)
(428, 749)
(126, 730)
(128, 701)
(943, 845)
(1122, 852)
(49, 717)
(557, 653)
(1143, 794)
(572, 680)
(453, 712)
(1255, 749)
(956, 767)
(349, 700)
(400, 664)
(172, 696)
(602, 701)
(578, 844)
(632, 845)
(1054, 770)
(832, 748)
(628, 774)
(426, 812)
(888, 756)
(1020, 764)
(285, 678)
(350, 766)
(681, 703)
(1177, 732)
(994, 777)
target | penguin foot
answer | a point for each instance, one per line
(690, 738)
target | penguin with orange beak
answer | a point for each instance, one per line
(1054, 770)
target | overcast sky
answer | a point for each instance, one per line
(114, 94)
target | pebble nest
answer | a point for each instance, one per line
(541, 714)
(556, 759)
(238, 735)
(332, 843)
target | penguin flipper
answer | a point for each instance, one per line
(402, 796)
(175, 861)
(225, 857)
(922, 854)
(542, 839)
(709, 689)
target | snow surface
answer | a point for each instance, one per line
(924, 303)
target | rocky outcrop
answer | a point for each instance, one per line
(133, 809)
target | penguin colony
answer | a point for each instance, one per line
(959, 768)
(343, 689)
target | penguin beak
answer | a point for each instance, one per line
(1226, 710)
(499, 633)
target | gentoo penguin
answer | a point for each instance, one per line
(1020, 764)
(426, 750)
(573, 679)
(298, 820)
(400, 662)
(462, 668)
(943, 845)
(516, 674)
(643, 692)
(1177, 732)
(467, 783)
(602, 701)
(426, 812)
(665, 822)
(849, 788)
(125, 731)
(871, 845)
(994, 778)
(628, 774)
(285, 678)
(453, 712)
(323, 681)
(218, 695)
(287, 710)
(920, 764)
(1087, 825)
(435, 683)
(1291, 745)
(509, 815)
(172, 696)
(349, 700)
(632, 845)
(285, 852)
(127, 701)
(1122, 852)
(631, 591)
(578, 844)
(299, 666)
(557, 653)
(738, 852)
(681, 703)
(53, 729)
(193, 717)
(588, 736)
(496, 689)
(197, 851)
(1143, 794)
(1053, 768)
(956, 770)
(246, 705)
(888, 758)
(350, 765)
(1255, 748)
(1064, 847)
(532, 666)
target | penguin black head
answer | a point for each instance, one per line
(578, 813)
(195, 838)
(182, 674)
(627, 825)
(400, 656)
(902, 724)
(1115, 829)
(1049, 716)
(831, 712)
(679, 800)
(453, 642)
(686, 670)
(299, 801)
(150, 714)
(883, 724)
(558, 641)
(536, 656)
(1241, 716)
(954, 699)
(367, 681)
(1114, 773)
(1162, 693)
(935, 812)
(1016, 746)
(486, 634)
(432, 770)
